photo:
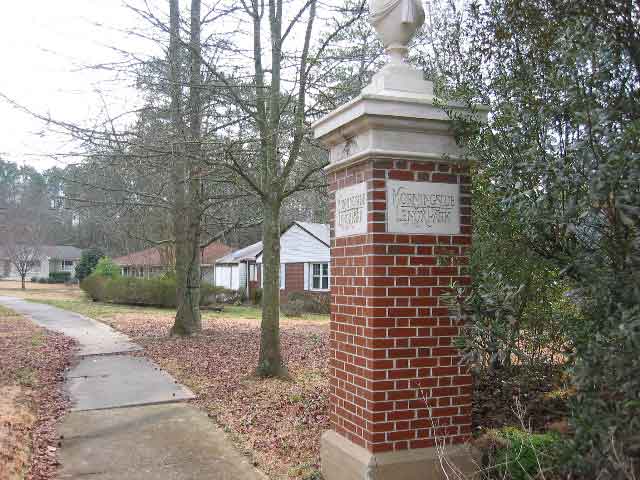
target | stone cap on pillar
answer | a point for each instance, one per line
(396, 115)
(393, 125)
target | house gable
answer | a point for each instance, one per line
(298, 245)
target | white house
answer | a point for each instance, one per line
(238, 270)
(305, 256)
(304, 262)
(53, 258)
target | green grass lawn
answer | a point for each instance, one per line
(75, 300)
(100, 310)
(97, 310)
(5, 312)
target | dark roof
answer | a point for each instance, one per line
(62, 252)
(151, 257)
(213, 252)
(148, 257)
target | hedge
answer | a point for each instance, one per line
(312, 302)
(156, 292)
(59, 277)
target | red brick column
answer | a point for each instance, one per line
(391, 332)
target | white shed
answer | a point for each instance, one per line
(232, 269)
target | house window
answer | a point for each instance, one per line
(319, 276)
(67, 265)
(253, 272)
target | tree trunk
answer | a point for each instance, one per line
(270, 363)
(188, 320)
(22, 277)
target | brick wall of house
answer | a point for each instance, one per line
(391, 335)
(293, 278)
(294, 282)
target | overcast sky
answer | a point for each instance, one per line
(43, 45)
(46, 46)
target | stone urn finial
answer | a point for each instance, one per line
(396, 21)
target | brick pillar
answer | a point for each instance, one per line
(401, 235)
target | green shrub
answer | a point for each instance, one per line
(107, 268)
(34, 279)
(59, 277)
(293, 308)
(157, 292)
(520, 455)
(311, 302)
(224, 295)
(88, 261)
(170, 275)
(42, 280)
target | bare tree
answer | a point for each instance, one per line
(22, 248)
(273, 154)
(155, 169)
(238, 134)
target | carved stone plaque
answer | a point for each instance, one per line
(351, 210)
(423, 207)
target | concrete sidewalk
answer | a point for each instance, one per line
(94, 338)
(126, 422)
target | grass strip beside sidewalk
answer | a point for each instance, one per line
(32, 363)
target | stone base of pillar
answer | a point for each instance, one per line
(344, 460)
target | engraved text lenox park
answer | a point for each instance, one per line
(416, 207)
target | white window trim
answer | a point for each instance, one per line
(283, 275)
(321, 276)
(67, 268)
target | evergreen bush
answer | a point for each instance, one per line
(157, 292)
(88, 261)
(59, 277)
(293, 308)
(311, 302)
(556, 202)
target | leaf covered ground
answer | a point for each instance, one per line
(32, 362)
(277, 423)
